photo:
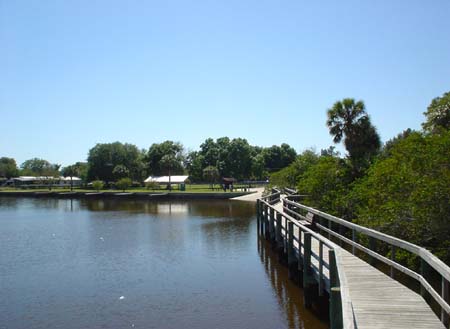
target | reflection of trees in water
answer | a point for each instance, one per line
(133, 206)
(203, 208)
(222, 209)
(40, 203)
(227, 224)
(290, 296)
(8, 202)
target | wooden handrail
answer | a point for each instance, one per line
(347, 316)
(424, 254)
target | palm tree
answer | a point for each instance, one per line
(343, 117)
(168, 162)
(348, 121)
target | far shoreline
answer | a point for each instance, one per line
(127, 195)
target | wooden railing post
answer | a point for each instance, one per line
(271, 224)
(336, 321)
(261, 217)
(308, 279)
(424, 272)
(354, 239)
(266, 222)
(445, 292)
(320, 268)
(258, 215)
(330, 227)
(292, 262)
(278, 237)
(393, 252)
(372, 246)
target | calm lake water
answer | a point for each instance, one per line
(140, 264)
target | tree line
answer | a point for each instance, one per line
(111, 162)
(401, 188)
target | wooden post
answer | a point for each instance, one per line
(300, 254)
(292, 262)
(423, 272)
(308, 278)
(372, 246)
(261, 217)
(278, 237)
(258, 214)
(341, 233)
(320, 268)
(271, 224)
(266, 222)
(330, 227)
(445, 296)
(354, 238)
(393, 251)
(336, 321)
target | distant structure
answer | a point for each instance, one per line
(44, 180)
(179, 180)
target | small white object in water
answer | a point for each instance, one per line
(101, 238)
(122, 297)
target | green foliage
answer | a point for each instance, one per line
(211, 174)
(39, 167)
(104, 158)
(79, 169)
(278, 157)
(438, 114)
(152, 185)
(8, 167)
(407, 194)
(325, 184)
(237, 158)
(120, 171)
(290, 176)
(156, 153)
(97, 185)
(123, 183)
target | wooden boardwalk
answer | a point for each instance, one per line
(368, 297)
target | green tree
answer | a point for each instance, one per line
(104, 158)
(123, 183)
(39, 167)
(326, 183)
(156, 153)
(438, 114)
(407, 194)
(194, 166)
(211, 174)
(97, 185)
(71, 171)
(290, 176)
(8, 167)
(348, 121)
(120, 171)
(258, 169)
(168, 163)
(278, 157)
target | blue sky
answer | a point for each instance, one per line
(77, 73)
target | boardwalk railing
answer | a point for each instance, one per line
(273, 197)
(309, 254)
(352, 235)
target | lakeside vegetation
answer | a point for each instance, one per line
(401, 188)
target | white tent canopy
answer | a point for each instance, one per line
(165, 179)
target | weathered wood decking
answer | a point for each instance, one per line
(368, 297)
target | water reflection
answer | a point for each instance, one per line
(289, 295)
(179, 264)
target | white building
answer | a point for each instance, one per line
(176, 179)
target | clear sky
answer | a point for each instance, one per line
(77, 73)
